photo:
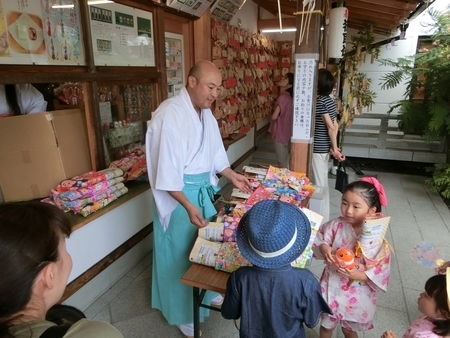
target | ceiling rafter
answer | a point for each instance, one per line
(385, 14)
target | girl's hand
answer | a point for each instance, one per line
(388, 334)
(327, 253)
(352, 273)
(442, 269)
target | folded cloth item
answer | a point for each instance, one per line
(77, 204)
(89, 191)
(89, 209)
(89, 178)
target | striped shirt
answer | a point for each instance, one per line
(324, 105)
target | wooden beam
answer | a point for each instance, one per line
(378, 18)
(377, 8)
(51, 74)
(409, 5)
(275, 23)
(301, 152)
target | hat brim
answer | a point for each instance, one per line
(303, 226)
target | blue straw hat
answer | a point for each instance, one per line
(273, 234)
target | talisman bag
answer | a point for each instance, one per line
(341, 178)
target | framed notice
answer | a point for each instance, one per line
(194, 7)
(122, 36)
(305, 72)
(40, 32)
(225, 9)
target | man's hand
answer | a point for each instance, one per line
(194, 214)
(242, 183)
(239, 181)
(195, 217)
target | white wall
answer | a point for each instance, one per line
(399, 48)
(248, 14)
(95, 240)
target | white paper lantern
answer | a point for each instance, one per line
(337, 32)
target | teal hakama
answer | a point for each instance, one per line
(171, 253)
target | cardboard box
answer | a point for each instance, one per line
(37, 151)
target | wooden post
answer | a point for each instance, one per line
(301, 152)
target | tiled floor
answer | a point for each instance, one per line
(417, 215)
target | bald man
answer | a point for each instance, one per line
(185, 153)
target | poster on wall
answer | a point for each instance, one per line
(121, 35)
(194, 7)
(225, 9)
(303, 97)
(40, 32)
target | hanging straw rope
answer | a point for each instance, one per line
(308, 9)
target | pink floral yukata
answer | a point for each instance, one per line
(421, 328)
(353, 302)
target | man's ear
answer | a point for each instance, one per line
(192, 81)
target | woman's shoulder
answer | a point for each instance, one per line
(86, 328)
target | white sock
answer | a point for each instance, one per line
(217, 299)
(187, 329)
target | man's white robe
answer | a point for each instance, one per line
(178, 142)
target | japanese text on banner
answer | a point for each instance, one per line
(303, 98)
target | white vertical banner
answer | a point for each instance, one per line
(305, 73)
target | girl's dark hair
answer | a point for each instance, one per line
(290, 77)
(367, 191)
(30, 233)
(11, 99)
(436, 288)
(325, 82)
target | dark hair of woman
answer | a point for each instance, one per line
(326, 82)
(11, 99)
(30, 233)
(436, 288)
(367, 191)
(290, 77)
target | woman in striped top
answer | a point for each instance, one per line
(325, 135)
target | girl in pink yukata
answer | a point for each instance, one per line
(351, 293)
(433, 304)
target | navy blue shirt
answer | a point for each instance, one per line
(273, 303)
